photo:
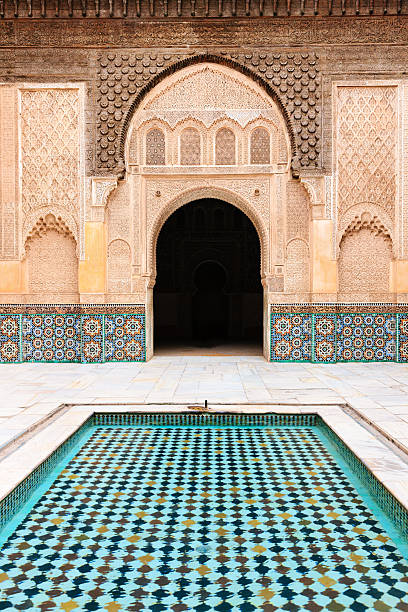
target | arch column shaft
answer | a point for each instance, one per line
(324, 267)
(92, 271)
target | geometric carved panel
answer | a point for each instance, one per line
(225, 147)
(260, 146)
(50, 148)
(155, 148)
(9, 195)
(190, 147)
(366, 146)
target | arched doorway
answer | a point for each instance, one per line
(208, 292)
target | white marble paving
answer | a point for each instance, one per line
(378, 392)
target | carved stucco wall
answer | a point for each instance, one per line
(119, 267)
(220, 106)
(120, 230)
(50, 154)
(297, 277)
(292, 78)
(366, 166)
(41, 177)
(366, 146)
(52, 263)
(366, 154)
(9, 188)
(297, 268)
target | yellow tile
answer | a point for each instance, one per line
(327, 581)
(146, 558)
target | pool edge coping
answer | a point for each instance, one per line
(367, 447)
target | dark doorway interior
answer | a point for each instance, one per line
(208, 292)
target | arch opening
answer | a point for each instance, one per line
(208, 292)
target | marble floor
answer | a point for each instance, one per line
(378, 391)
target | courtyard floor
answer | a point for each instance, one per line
(366, 405)
(378, 391)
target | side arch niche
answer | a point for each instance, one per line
(51, 262)
(365, 257)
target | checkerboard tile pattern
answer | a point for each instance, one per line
(202, 518)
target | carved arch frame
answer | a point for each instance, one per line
(199, 193)
(214, 59)
(189, 196)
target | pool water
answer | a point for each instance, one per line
(203, 518)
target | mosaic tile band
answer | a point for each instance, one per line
(72, 337)
(339, 337)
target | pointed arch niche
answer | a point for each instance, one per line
(51, 262)
(192, 107)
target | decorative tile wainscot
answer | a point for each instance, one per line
(330, 333)
(72, 333)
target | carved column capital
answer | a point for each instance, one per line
(315, 187)
(102, 186)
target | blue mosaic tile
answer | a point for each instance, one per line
(124, 337)
(366, 337)
(52, 337)
(291, 337)
(403, 337)
(10, 341)
(92, 338)
(230, 519)
(324, 338)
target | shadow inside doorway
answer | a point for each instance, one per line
(208, 294)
